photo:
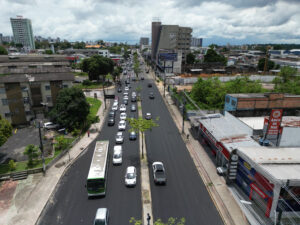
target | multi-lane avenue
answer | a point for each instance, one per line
(184, 195)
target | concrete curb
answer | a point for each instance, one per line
(145, 180)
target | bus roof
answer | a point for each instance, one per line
(98, 165)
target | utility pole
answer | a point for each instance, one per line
(183, 110)
(42, 148)
(103, 80)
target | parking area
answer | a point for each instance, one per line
(15, 145)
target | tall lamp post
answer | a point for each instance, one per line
(183, 110)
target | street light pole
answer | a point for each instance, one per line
(103, 80)
(183, 110)
(42, 148)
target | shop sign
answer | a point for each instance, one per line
(232, 167)
(274, 121)
(258, 191)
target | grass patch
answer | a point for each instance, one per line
(94, 105)
(93, 86)
(21, 166)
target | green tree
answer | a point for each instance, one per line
(3, 51)
(62, 143)
(12, 165)
(5, 130)
(71, 109)
(79, 45)
(190, 58)
(171, 221)
(97, 66)
(287, 72)
(109, 77)
(32, 152)
(261, 64)
(212, 56)
(141, 125)
(19, 45)
(48, 52)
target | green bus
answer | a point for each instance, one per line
(96, 180)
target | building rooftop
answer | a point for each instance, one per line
(37, 77)
(259, 95)
(31, 58)
(278, 163)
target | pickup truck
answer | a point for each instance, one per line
(159, 174)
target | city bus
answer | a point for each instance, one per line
(96, 180)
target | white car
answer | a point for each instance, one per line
(117, 156)
(119, 138)
(115, 106)
(50, 125)
(125, 97)
(130, 176)
(123, 116)
(133, 94)
(122, 108)
(126, 88)
(148, 116)
(125, 93)
(122, 125)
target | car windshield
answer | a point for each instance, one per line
(117, 156)
(130, 175)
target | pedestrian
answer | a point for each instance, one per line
(88, 133)
(148, 218)
(187, 136)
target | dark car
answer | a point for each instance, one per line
(111, 121)
(134, 79)
(132, 135)
(149, 85)
(127, 82)
(119, 90)
(111, 114)
(133, 98)
(151, 95)
(142, 78)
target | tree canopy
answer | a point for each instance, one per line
(71, 108)
(212, 56)
(3, 51)
(261, 64)
(97, 66)
(287, 82)
(5, 130)
(190, 58)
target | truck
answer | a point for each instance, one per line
(159, 174)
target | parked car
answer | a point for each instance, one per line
(126, 88)
(159, 174)
(142, 78)
(117, 156)
(149, 85)
(111, 121)
(119, 89)
(133, 94)
(125, 97)
(114, 107)
(148, 116)
(122, 108)
(130, 176)
(221, 171)
(125, 93)
(119, 138)
(133, 108)
(133, 99)
(132, 135)
(112, 114)
(102, 216)
(123, 116)
(122, 125)
(50, 125)
(151, 95)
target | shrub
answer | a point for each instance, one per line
(75, 132)
(87, 83)
(12, 165)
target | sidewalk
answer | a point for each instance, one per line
(27, 198)
(226, 205)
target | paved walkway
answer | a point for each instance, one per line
(216, 186)
(21, 202)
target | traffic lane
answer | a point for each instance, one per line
(70, 204)
(184, 189)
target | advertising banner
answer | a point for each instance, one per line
(275, 121)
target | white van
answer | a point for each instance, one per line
(117, 156)
(101, 217)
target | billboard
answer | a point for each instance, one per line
(167, 57)
(275, 121)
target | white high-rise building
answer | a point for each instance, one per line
(22, 31)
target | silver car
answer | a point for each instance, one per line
(119, 138)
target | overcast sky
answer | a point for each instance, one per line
(217, 21)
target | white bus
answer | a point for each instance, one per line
(96, 180)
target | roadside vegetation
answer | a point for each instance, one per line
(5, 130)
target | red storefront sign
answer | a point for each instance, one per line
(274, 121)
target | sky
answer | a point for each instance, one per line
(216, 21)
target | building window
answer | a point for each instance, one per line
(65, 86)
(7, 115)
(4, 102)
(2, 90)
(12, 67)
(233, 102)
(32, 66)
(49, 99)
(57, 66)
(227, 99)
(47, 87)
(28, 113)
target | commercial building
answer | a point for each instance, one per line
(196, 42)
(266, 177)
(31, 85)
(144, 41)
(22, 31)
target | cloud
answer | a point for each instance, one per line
(239, 20)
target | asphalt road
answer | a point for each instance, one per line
(184, 195)
(71, 204)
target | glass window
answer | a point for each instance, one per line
(7, 115)
(28, 113)
(47, 87)
(65, 86)
(4, 102)
(233, 102)
(2, 90)
(49, 99)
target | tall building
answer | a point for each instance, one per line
(1, 36)
(170, 38)
(22, 31)
(196, 42)
(144, 41)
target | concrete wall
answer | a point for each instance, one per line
(290, 137)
